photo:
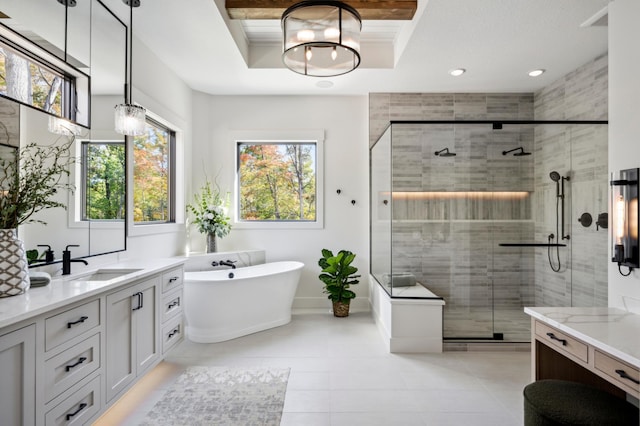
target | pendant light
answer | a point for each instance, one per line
(130, 118)
(321, 38)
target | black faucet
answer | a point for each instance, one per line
(228, 263)
(49, 257)
(66, 260)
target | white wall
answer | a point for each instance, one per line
(624, 122)
(345, 123)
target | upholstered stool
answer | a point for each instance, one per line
(558, 402)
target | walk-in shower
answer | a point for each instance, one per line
(474, 229)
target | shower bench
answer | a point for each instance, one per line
(407, 325)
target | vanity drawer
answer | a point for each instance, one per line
(562, 342)
(172, 333)
(69, 324)
(171, 304)
(69, 367)
(623, 375)
(77, 409)
(172, 279)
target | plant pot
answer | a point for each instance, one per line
(212, 247)
(14, 269)
(341, 309)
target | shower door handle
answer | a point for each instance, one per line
(553, 337)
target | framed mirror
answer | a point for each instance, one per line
(94, 42)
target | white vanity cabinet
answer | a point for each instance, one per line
(132, 335)
(70, 379)
(69, 350)
(18, 384)
(171, 308)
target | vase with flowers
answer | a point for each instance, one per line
(30, 177)
(209, 212)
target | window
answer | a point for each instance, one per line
(277, 181)
(154, 175)
(103, 180)
(27, 79)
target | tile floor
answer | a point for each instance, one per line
(341, 374)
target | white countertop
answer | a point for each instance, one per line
(66, 290)
(612, 330)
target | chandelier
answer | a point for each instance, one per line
(321, 38)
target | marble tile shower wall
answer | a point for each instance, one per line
(579, 152)
(386, 107)
(448, 237)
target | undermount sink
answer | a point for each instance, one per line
(106, 274)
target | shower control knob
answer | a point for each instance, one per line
(585, 220)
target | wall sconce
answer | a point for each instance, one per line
(624, 220)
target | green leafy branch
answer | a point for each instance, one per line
(30, 179)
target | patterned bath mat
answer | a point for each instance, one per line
(222, 396)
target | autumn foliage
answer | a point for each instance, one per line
(277, 182)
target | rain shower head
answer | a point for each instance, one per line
(555, 176)
(445, 153)
(521, 152)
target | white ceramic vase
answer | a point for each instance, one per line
(14, 269)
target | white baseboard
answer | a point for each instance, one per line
(359, 304)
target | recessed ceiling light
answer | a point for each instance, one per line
(536, 73)
(457, 72)
(324, 84)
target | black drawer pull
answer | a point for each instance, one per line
(174, 332)
(82, 319)
(624, 375)
(173, 304)
(80, 408)
(80, 361)
(139, 304)
(173, 279)
(553, 337)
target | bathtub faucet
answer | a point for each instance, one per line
(230, 263)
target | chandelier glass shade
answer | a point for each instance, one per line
(321, 38)
(130, 119)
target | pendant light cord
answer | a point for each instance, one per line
(130, 101)
(66, 26)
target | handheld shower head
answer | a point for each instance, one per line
(445, 153)
(555, 176)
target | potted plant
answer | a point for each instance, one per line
(338, 275)
(29, 179)
(209, 211)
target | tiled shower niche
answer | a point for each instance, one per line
(452, 224)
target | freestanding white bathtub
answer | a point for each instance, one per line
(256, 298)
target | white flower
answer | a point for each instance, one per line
(209, 215)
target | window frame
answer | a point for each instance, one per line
(84, 144)
(75, 87)
(279, 138)
(171, 169)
